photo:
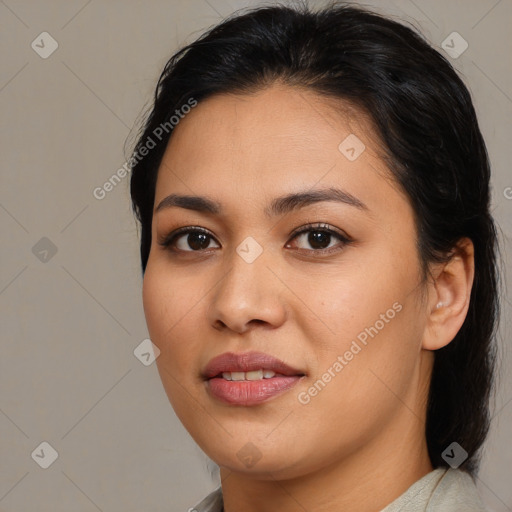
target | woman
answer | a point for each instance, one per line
(319, 262)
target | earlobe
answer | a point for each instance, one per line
(449, 297)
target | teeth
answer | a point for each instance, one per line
(253, 375)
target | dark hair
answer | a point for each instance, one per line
(426, 121)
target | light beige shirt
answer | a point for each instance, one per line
(441, 490)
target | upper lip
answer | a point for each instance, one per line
(246, 362)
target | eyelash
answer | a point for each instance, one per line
(169, 241)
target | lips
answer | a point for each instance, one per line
(247, 362)
(248, 379)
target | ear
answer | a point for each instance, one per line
(448, 297)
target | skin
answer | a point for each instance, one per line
(359, 443)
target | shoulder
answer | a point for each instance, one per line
(441, 490)
(212, 503)
(456, 490)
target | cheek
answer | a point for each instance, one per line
(175, 304)
(352, 298)
(361, 385)
(155, 298)
(370, 317)
(168, 310)
(169, 316)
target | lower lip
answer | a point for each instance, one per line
(250, 392)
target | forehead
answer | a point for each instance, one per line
(277, 118)
(273, 141)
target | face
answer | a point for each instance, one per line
(330, 286)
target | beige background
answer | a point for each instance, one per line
(71, 320)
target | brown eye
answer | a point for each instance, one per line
(319, 238)
(188, 240)
(195, 240)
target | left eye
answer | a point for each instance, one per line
(318, 238)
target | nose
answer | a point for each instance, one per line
(248, 295)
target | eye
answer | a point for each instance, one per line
(188, 239)
(319, 237)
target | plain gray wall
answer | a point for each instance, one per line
(71, 320)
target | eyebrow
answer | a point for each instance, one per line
(278, 206)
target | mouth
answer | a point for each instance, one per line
(252, 375)
(249, 378)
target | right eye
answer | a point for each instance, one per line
(188, 239)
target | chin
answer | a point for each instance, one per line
(265, 462)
